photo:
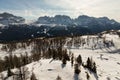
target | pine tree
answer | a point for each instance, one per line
(72, 59)
(1, 65)
(9, 73)
(20, 74)
(58, 78)
(11, 60)
(87, 76)
(64, 61)
(94, 68)
(91, 65)
(79, 60)
(88, 63)
(65, 58)
(33, 77)
(7, 64)
(16, 61)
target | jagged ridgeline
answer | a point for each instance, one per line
(14, 27)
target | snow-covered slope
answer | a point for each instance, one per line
(114, 37)
(107, 60)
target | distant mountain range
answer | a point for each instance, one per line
(92, 23)
(14, 27)
(82, 20)
(6, 19)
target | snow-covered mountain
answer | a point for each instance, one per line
(39, 58)
(58, 19)
(81, 20)
(59, 25)
(86, 20)
(94, 24)
(7, 18)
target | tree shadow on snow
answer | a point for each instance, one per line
(115, 51)
(76, 77)
(94, 74)
(63, 65)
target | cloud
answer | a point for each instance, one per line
(35, 8)
(95, 8)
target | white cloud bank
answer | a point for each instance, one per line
(73, 8)
(95, 8)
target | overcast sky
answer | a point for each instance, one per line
(32, 9)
